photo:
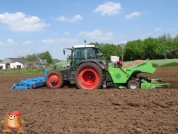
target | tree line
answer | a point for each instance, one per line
(44, 56)
(162, 47)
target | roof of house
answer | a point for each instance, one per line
(56, 60)
(20, 60)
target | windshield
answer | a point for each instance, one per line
(91, 53)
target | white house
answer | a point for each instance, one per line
(13, 63)
(2, 66)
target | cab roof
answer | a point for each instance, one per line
(80, 46)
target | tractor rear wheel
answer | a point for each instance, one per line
(88, 76)
(54, 79)
(133, 84)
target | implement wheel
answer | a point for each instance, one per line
(133, 84)
(88, 76)
(54, 79)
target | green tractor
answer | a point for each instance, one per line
(87, 71)
(83, 69)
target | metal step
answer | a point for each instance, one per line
(72, 77)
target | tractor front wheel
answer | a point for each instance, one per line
(88, 76)
(133, 84)
(54, 79)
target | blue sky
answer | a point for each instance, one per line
(29, 26)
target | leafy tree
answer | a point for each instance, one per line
(121, 49)
(175, 47)
(46, 56)
(99, 45)
(165, 44)
(49, 59)
(43, 56)
(134, 50)
(151, 47)
(31, 58)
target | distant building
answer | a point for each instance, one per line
(56, 60)
(13, 63)
(20, 63)
(40, 62)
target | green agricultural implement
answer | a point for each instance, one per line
(85, 69)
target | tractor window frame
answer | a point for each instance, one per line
(79, 54)
(91, 53)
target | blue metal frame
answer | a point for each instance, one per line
(31, 83)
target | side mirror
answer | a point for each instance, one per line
(63, 51)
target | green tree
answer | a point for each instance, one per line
(175, 47)
(46, 56)
(121, 50)
(110, 50)
(151, 47)
(165, 44)
(134, 50)
(49, 59)
(31, 58)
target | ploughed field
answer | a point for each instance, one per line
(103, 111)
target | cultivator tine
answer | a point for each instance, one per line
(157, 80)
(158, 83)
(163, 85)
(148, 83)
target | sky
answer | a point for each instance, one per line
(35, 26)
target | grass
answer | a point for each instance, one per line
(29, 71)
(163, 61)
(172, 64)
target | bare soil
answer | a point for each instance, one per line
(102, 111)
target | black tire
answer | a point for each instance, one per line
(54, 79)
(88, 76)
(133, 84)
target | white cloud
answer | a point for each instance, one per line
(28, 42)
(131, 15)
(109, 8)
(20, 22)
(73, 19)
(157, 29)
(1, 43)
(58, 40)
(11, 41)
(98, 34)
(70, 40)
(48, 41)
(62, 18)
(76, 17)
(66, 33)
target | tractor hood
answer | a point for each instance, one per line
(62, 65)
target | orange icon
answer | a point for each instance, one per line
(13, 121)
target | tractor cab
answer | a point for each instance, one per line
(81, 53)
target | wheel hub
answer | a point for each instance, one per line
(90, 76)
(52, 80)
(133, 85)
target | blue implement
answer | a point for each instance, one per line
(31, 83)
